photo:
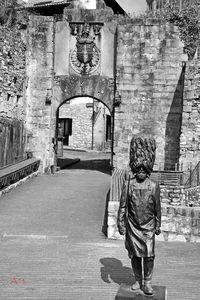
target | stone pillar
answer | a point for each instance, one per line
(39, 89)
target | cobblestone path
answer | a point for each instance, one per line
(52, 246)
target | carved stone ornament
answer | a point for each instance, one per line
(85, 57)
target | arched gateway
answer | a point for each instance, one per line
(80, 52)
(99, 54)
(83, 123)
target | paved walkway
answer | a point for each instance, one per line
(52, 247)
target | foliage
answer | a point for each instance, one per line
(187, 21)
(8, 13)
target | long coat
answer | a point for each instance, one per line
(140, 215)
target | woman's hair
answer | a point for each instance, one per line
(142, 153)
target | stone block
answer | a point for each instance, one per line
(170, 210)
(174, 237)
(112, 220)
(185, 230)
(165, 200)
(169, 226)
(125, 293)
(196, 213)
(160, 238)
(118, 236)
(113, 206)
(111, 232)
(195, 239)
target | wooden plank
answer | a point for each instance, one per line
(18, 166)
(14, 173)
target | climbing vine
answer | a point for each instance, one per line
(187, 20)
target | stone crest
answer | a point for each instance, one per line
(85, 57)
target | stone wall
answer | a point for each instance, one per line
(12, 99)
(192, 196)
(86, 133)
(190, 131)
(81, 116)
(172, 195)
(180, 210)
(180, 196)
(100, 127)
(150, 78)
(178, 223)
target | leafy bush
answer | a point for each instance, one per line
(187, 21)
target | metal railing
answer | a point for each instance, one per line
(172, 178)
(194, 177)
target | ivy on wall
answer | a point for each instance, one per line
(187, 19)
(8, 12)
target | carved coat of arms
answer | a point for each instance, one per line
(85, 56)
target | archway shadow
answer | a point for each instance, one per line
(173, 125)
(114, 271)
(101, 165)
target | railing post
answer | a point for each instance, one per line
(190, 174)
(154, 4)
(198, 174)
(181, 166)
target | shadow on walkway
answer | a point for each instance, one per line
(101, 165)
(114, 271)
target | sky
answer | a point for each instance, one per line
(127, 5)
(131, 6)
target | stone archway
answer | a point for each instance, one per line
(90, 120)
(98, 87)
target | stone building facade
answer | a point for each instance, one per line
(85, 124)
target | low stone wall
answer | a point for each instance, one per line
(178, 223)
(192, 196)
(180, 196)
(172, 195)
(180, 210)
